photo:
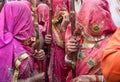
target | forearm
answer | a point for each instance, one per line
(101, 78)
(36, 78)
(90, 78)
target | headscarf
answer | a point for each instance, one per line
(43, 12)
(28, 3)
(95, 18)
(43, 17)
(15, 26)
(59, 5)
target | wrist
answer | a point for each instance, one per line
(69, 60)
(97, 78)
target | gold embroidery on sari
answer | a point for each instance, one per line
(29, 41)
(17, 65)
(88, 37)
(58, 40)
(57, 27)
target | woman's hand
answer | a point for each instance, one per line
(37, 78)
(48, 39)
(72, 45)
(85, 78)
(39, 55)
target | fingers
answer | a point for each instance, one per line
(42, 75)
(38, 77)
(39, 55)
(77, 80)
(48, 39)
(72, 45)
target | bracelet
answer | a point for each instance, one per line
(102, 78)
(97, 79)
(68, 60)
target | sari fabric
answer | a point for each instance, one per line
(16, 26)
(43, 17)
(58, 70)
(94, 29)
(110, 59)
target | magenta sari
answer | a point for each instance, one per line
(15, 27)
(95, 24)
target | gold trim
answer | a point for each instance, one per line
(58, 40)
(29, 41)
(88, 37)
(17, 65)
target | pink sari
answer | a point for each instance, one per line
(16, 27)
(95, 24)
(43, 20)
(43, 17)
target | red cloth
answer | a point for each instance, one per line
(93, 14)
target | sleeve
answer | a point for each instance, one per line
(23, 67)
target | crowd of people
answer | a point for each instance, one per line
(58, 41)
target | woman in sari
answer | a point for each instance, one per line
(16, 39)
(57, 69)
(94, 27)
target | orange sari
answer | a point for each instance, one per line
(110, 59)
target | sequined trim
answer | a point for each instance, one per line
(90, 38)
(17, 65)
(29, 41)
(91, 62)
(81, 55)
(96, 28)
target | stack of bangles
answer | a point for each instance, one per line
(102, 78)
(97, 78)
(68, 60)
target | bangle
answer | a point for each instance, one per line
(67, 60)
(97, 79)
(102, 78)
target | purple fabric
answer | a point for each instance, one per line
(15, 26)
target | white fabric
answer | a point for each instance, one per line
(115, 11)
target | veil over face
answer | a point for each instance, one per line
(43, 12)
